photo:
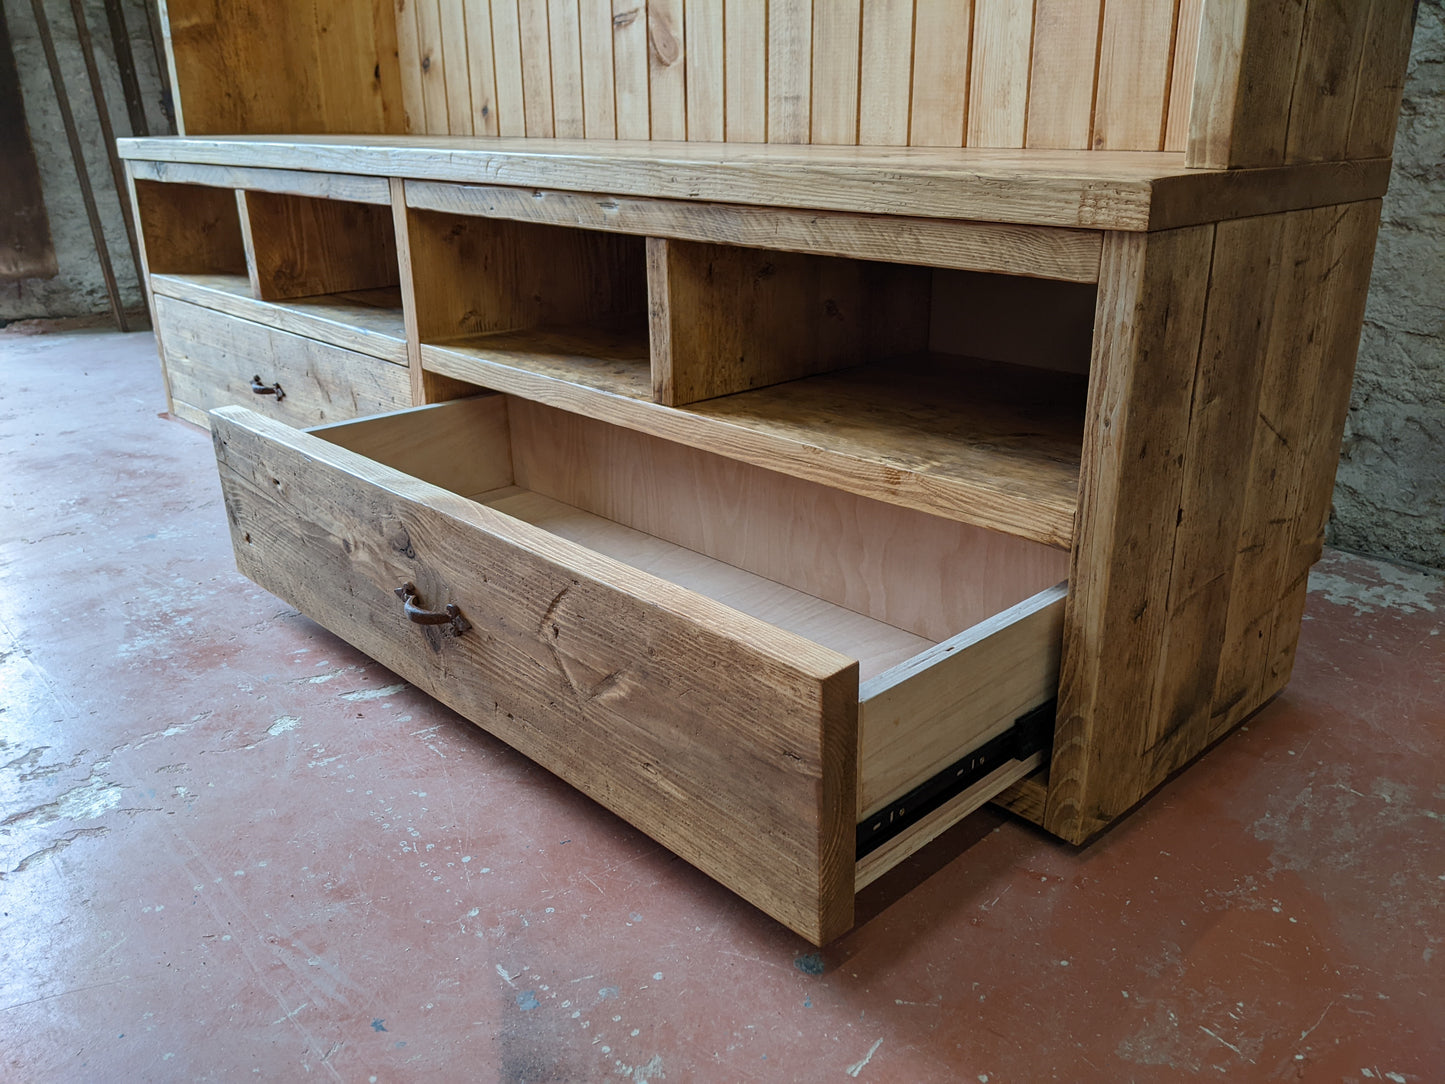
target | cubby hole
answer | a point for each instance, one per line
(520, 306)
(191, 230)
(960, 388)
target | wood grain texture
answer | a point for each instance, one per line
(1323, 98)
(507, 65)
(915, 572)
(408, 45)
(966, 441)
(1036, 251)
(885, 72)
(1089, 189)
(745, 60)
(630, 66)
(210, 359)
(789, 70)
(294, 182)
(645, 696)
(1064, 68)
(836, 56)
(1181, 78)
(942, 31)
(1027, 797)
(1135, 53)
(187, 228)
(273, 66)
(565, 48)
(1152, 292)
(667, 69)
(705, 67)
(536, 68)
(806, 314)
(1383, 61)
(928, 712)
(468, 445)
(1243, 82)
(599, 98)
(873, 644)
(433, 67)
(453, 26)
(300, 246)
(1223, 414)
(999, 81)
(554, 363)
(366, 321)
(481, 70)
(475, 275)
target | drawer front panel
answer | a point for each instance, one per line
(727, 740)
(211, 358)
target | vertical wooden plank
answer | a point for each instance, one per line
(745, 65)
(1325, 81)
(1064, 68)
(565, 41)
(433, 66)
(408, 50)
(1243, 75)
(998, 87)
(456, 65)
(1181, 80)
(836, 45)
(704, 37)
(1382, 79)
(1224, 409)
(629, 61)
(357, 66)
(790, 70)
(1134, 52)
(599, 93)
(478, 29)
(667, 69)
(1351, 241)
(1151, 299)
(536, 67)
(1290, 368)
(507, 62)
(885, 73)
(942, 29)
(387, 71)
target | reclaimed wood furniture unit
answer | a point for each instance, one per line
(844, 415)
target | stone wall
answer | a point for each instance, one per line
(1390, 490)
(79, 288)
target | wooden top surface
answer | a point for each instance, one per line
(1108, 190)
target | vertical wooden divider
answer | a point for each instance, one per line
(726, 319)
(426, 387)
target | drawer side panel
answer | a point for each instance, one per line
(726, 740)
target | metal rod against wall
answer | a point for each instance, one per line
(77, 155)
(107, 133)
(163, 64)
(125, 63)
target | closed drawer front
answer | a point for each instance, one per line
(619, 609)
(213, 360)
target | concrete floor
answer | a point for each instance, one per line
(233, 848)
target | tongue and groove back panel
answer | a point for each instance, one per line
(1234, 82)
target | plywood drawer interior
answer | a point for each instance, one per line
(878, 604)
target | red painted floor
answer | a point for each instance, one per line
(232, 848)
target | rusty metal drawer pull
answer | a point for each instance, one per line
(450, 616)
(266, 389)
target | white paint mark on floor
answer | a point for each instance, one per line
(373, 694)
(283, 724)
(858, 1066)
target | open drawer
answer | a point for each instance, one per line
(790, 686)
